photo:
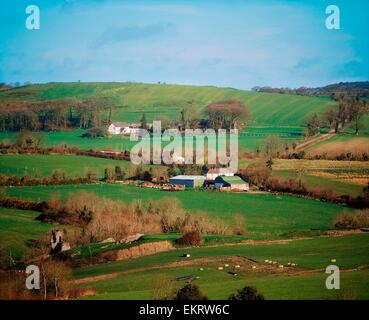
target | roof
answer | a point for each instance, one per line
(184, 177)
(220, 171)
(232, 180)
(120, 124)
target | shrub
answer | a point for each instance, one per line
(94, 133)
(190, 292)
(192, 238)
(359, 219)
(246, 293)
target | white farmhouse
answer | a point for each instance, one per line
(119, 128)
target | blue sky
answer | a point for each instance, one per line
(224, 43)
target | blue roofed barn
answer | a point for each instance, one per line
(188, 181)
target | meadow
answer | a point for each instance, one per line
(133, 99)
(350, 252)
(266, 215)
(250, 139)
(18, 228)
(36, 165)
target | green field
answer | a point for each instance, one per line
(220, 285)
(311, 181)
(43, 165)
(350, 252)
(132, 99)
(18, 228)
(265, 214)
(250, 139)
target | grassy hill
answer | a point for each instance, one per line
(132, 99)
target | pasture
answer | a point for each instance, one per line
(250, 139)
(19, 228)
(350, 251)
(133, 99)
(37, 165)
(266, 215)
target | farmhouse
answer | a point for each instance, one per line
(231, 183)
(188, 181)
(119, 128)
(216, 172)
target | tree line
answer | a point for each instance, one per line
(56, 114)
(348, 109)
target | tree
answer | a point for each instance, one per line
(256, 173)
(356, 109)
(119, 173)
(143, 122)
(190, 292)
(271, 146)
(227, 114)
(94, 133)
(55, 277)
(313, 125)
(247, 293)
(108, 175)
(269, 163)
(28, 139)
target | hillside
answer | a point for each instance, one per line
(132, 99)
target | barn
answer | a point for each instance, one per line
(231, 183)
(188, 181)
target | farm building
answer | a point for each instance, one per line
(123, 128)
(216, 172)
(188, 181)
(119, 128)
(231, 183)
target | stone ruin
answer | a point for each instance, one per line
(57, 242)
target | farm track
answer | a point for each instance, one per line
(316, 140)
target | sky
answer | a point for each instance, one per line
(238, 44)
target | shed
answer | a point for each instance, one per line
(188, 181)
(216, 172)
(233, 183)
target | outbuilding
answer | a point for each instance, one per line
(216, 172)
(188, 181)
(231, 183)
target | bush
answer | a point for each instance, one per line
(94, 133)
(190, 292)
(247, 293)
(359, 219)
(191, 238)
